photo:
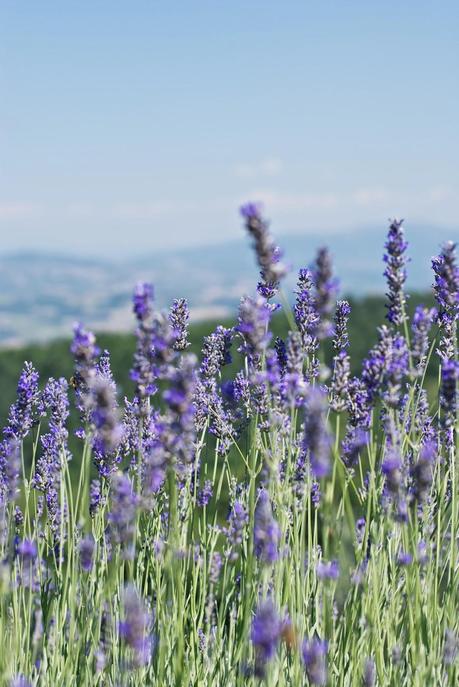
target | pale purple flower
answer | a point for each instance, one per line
(135, 626)
(266, 530)
(316, 438)
(265, 635)
(314, 653)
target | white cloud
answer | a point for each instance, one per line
(19, 211)
(268, 167)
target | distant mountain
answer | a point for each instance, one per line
(42, 295)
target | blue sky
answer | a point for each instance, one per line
(127, 127)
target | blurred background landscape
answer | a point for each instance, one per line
(129, 136)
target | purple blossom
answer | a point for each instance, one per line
(26, 550)
(386, 366)
(395, 272)
(107, 429)
(21, 417)
(216, 563)
(448, 398)
(369, 673)
(404, 558)
(142, 301)
(143, 372)
(327, 570)
(85, 353)
(95, 497)
(178, 317)
(315, 494)
(205, 494)
(122, 515)
(135, 626)
(326, 289)
(87, 545)
(305, 311)
(266, 530)
(353, 444)
(253, 321)
(216, 353)
(450, 647)
(10, 469)
(265, 635)
(237, 521)
(340, 333)
(19, 681)
(422, 322)
(340, 381)
(314, 653)
(422, 471)
(392, 469)
(268, 254)
(179, 435)
(281, 352)
(446, 290)
(316, 438)
(48, 472)
(360, 526)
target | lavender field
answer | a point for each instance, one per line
(290, 524)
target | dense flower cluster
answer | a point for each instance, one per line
(269, 512)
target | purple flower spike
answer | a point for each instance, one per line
(326, 290)
(266, 532)
(315, 660)
(317, 439)
(135, 626)
(265, 635)
(446, 290)
(142, 301)
(395, 272)
(178, 317)
(268, 254)
(327, 571)
(87, 545)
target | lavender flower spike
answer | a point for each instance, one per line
(265, 635)
(266, 532)
(135, 626)
(314, 657)
(179, 315)
(446, 290)
(395, 272)
(254, 316)
(317, 439)
(326, 289)
(268, 254)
